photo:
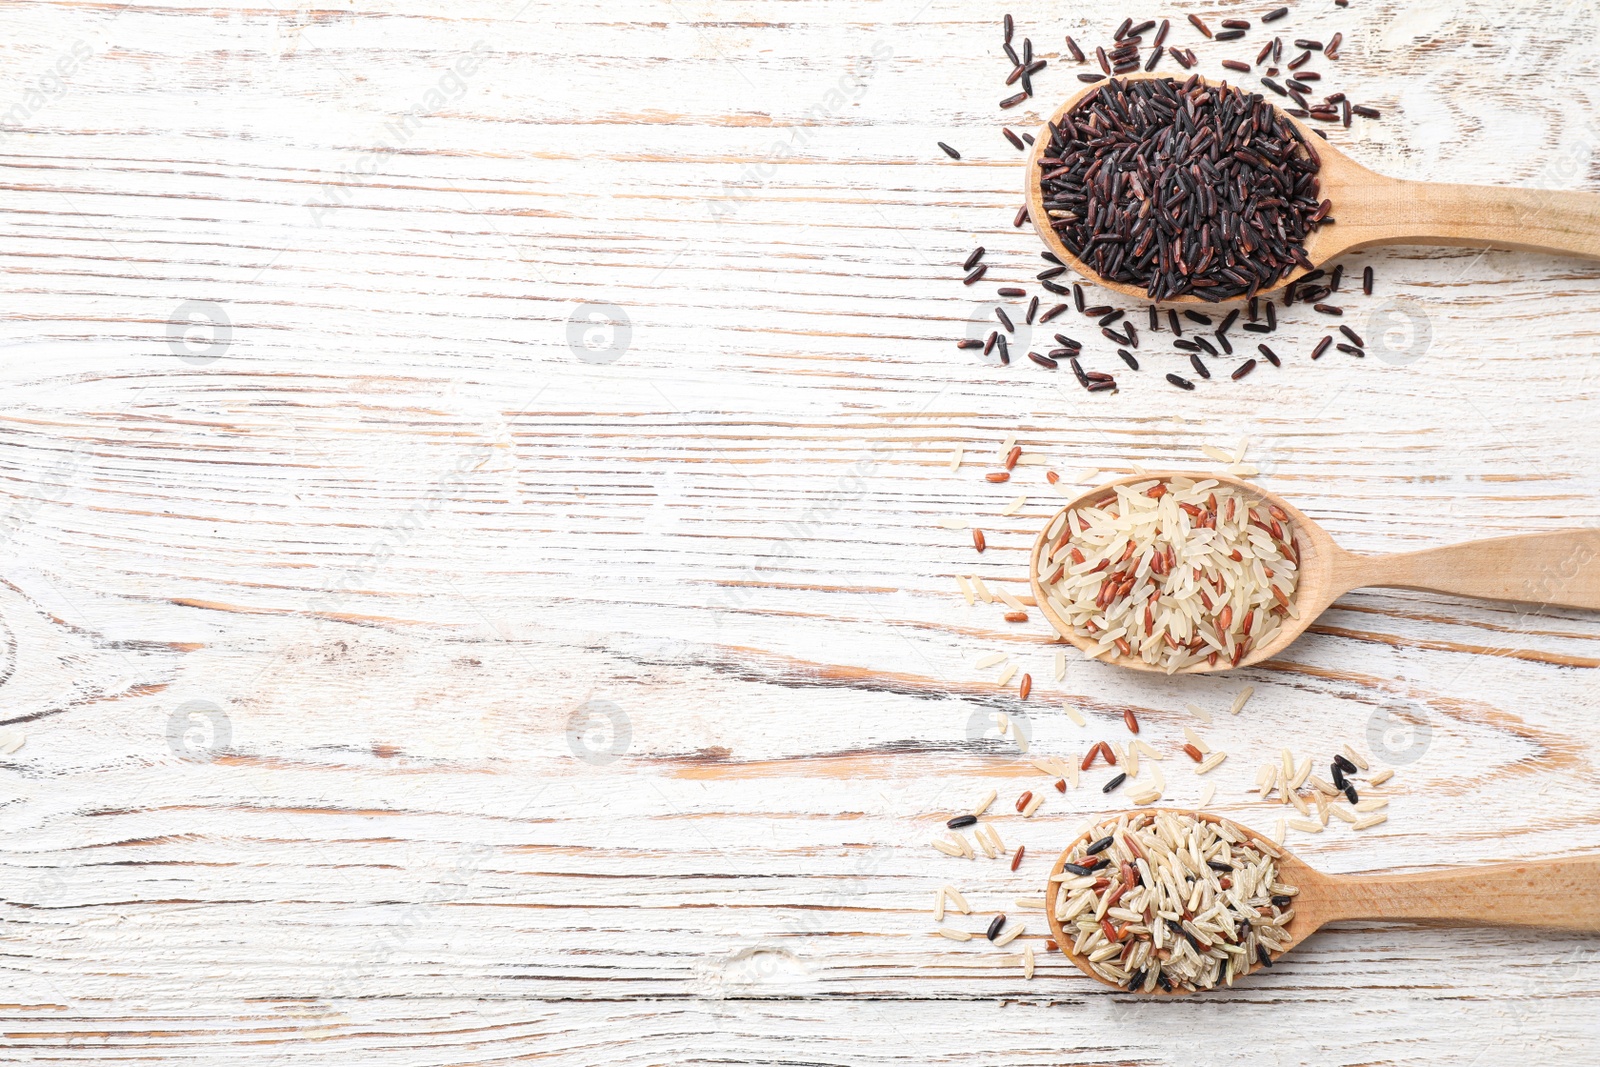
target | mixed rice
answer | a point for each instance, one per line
(1166, 899)
(1174, 571)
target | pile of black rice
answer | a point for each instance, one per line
(1182, 188)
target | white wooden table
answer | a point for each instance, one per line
(474, 589)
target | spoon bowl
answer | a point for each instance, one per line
(1556, 569)
(1371, 209)
(1555, 894)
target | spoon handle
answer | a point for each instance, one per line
(1560, 569)
(1437, 213)
(1561, 894)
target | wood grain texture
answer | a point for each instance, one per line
(350, 534)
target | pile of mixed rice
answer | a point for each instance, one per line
(1166, 899)
(1173, 571)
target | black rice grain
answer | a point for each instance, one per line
(1033, 309)
(1275, 14)
(1322, 346)
(1228, 35)
(1198, 365)
(1327, 309)
(1244, 368)
(1351, 350)
(1351, 794)
(1270, 356)
(1052, 313)
(1181, 383)
(961, 820)
(1366, 280)
(1013, 138)
(976, 274)
(1013, 101)
(1077, 53)
(1127, 357)
(1043, 361)
(1355, 338)
(1115, 781)
(969, 342)
(995, 926)
(951, 152)
(972, 258)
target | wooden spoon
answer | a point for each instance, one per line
(1371, 209)
(1560, 894)
(1556, 569)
